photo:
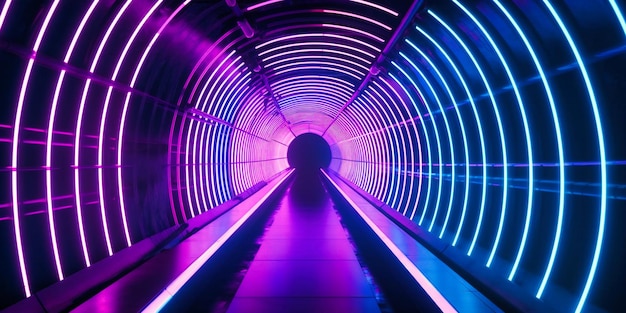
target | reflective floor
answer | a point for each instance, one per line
(306, 262)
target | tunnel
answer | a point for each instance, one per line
(312, 156)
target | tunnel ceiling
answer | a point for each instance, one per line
(495, 126)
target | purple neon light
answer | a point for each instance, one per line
(374, 5)
(262, 4)
(361, 17)
(14, 154)
(309, 35)
(309, 44)
(308, 57)
(355, 30)
(103, 118)
(327, 68)
(166, 294)
(301, 51)
(3, 13)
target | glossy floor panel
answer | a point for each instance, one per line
(306, 262)
(304, 305)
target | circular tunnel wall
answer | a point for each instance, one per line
(495, 126)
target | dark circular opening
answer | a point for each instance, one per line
(309, 151)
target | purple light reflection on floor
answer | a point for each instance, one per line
(305, 262)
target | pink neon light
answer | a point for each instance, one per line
(14, 149)
(130, 40)
(373, 5)
(317, 68)
(392, 130)
(79, 211)
(105, 223)
(317, 35)
(359, 17)
(78, 132)
(320, 63)
(315, 77)
(107, 34)
(262, 4)
(314, 90)
(319, 51)
(126, 103)
(354, 30)
(50, 133)
(353, 40)
(79, 30)
(53, 110)
(326, 85)
(419, 148)
(44, 26)
(308, 57)
(313, 43)
(16, 215)
(101, 132)
(3, 14)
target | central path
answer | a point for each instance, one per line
(305, 262)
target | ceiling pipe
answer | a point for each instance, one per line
(376, 66)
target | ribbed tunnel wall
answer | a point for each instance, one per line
(496, 126)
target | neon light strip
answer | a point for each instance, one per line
(5, 10)
(309, 57)
(355, 30)
(481, 138)
(557, 127)
(313, 78)
(428, 149)
(217, 133)
(375, 22)
(432, 120)
(341, 90)
(161, 300)
(392, 119)
(123, 119)
(51, 121)
(187, 144)
(308, 35)
(14, 153)
(371, 104)
(529, 149)
(435, 131)
(600, 134)
(618, 14)
(402, 179)
(317, 43)
(419, 149)
(417, 275)
(373, 5)
(465, 148)
(103, 118)
(262, 4)
(278, 55)
(327, 68)
(500, 133)
(447, 125)
(382, 147)
(347, 68)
